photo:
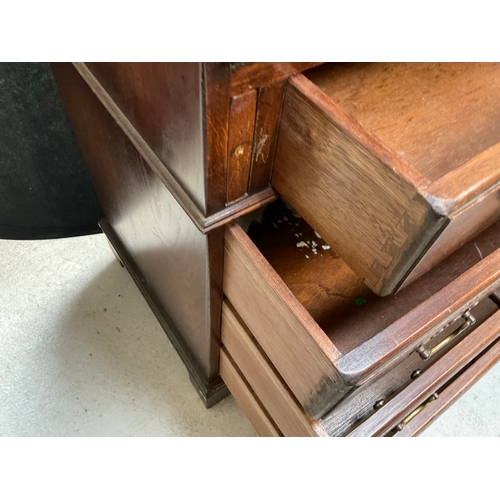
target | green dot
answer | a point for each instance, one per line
(360, 301)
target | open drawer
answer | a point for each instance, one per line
(395, 165)
(323, 330)
(272, 409)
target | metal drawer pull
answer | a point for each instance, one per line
(415, 412)
(427, 353)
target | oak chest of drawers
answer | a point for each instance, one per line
(296, 323)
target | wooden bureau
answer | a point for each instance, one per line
(189, 161)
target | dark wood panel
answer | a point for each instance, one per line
(163, 102)
(269, 103)
(167, 248)
(247, 76)
(241, 129)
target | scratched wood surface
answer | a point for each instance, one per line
(241, 131)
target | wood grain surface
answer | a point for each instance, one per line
(269, 103)
(264, 380)
(162, 101)
(241, 130)
(392, 152)
(247, 400)
(436, 116)
(360, 404)
(387, 328)
(284, 329)
(374, 218)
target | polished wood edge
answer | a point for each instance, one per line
(246, 398)
(241, 207)
(370, 142)
(204, 223)
(461, 187)
(248, 76)
(431, 380)
(214, 283)
(456, 389)
(210, 391)
(423, 320)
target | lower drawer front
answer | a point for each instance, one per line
(247, 400)
(354, 416)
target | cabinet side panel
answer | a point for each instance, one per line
(163, 101)
(167, 248)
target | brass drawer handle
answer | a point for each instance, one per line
(415, 412)
(427, 353)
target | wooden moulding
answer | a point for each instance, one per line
(367, 180)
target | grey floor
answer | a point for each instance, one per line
(81, 354)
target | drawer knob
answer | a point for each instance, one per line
(379, 404)
(427, 353)
(415, 374)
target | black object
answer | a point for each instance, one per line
(45, 188)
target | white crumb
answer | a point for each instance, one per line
(325, 247)
(302, 244)
(317, 234)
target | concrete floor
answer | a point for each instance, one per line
(81, 354)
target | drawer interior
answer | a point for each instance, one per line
(337, 299)
(422, 111)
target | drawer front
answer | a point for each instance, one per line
(269, 387)
(371, 198)
(289, 416)
(290, 337)
(420, 395)
(245, 397)
(367, 399)
(415, 406)
(295, 344)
